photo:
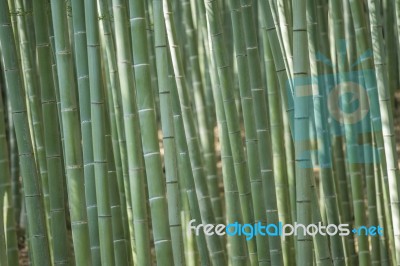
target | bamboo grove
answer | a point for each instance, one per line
(130, 129)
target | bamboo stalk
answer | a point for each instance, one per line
(82, 73)
(10, 225)
(200, 208)
(253, 139)
(115, 108)
(32, 90)
(285, 41)
(134, 147)
(29, 171)
(301, 131)
(392, 48)
(52, 139)
(354, 168)
(173, 176)
(148, 125)
(14, 164)
(339, 165)
(324, 154)
(221, 58)
(98, 133)
(71, 131)
(206, 131)
(8, 239)
(385, 109)
(383, 247)
(237, 250)
(120, 237)
(217, 253)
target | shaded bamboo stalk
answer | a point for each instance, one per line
(385, 108)
(71, 131)
(133, 143)
(83, 86)
(97, 103)
(301, 131)
(119, 230)
(58, 222)
(322, 131)
(205, 128)
(29, 172)
(215, 247)
(7, 216)
(222, 65)
(114, 94)
(251, 135)
(32, 90)
(148, 125)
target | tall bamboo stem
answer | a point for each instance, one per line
(29, 171)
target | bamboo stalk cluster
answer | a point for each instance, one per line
(121, 122)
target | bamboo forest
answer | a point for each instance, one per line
(200, 132)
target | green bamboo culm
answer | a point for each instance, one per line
(304, 172)
(82, 73)
(3, 243)
(168, 95)
(8, 209)
(378, 136)
(355, 170)
(52, 139)
(29, 172)
(14, 164)
(237, 247)
(71, 132)
(285, 40)
(113, 93)
(8, 234)
(205, 128)
(216, 250)
(252, 139)
(386, 112)
(32, 91)
(174, 182)
(273, 185)
(200, 208)
(322, 132)
(149, 129)
(170, 159)
(270, 34)
(225, 82)
(389, 14)
(133, 142)
(98, 134)
(119, 230)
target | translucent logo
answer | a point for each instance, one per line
(347, 102)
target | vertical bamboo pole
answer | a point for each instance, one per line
(133, 142)
(52, 139)
(71, 131)
(82, 73)
(216, 249)
(29, 171)
(97, 104)
(301, 131)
